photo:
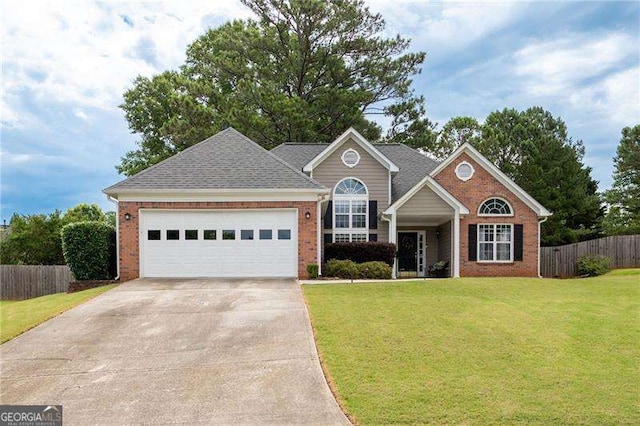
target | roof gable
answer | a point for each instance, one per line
(351, 134)
(495, 172)
(226, 160)
(431, 183)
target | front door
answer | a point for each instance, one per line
(407, 254)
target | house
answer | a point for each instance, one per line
(226, 207)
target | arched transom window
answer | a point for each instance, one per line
(350, 208)
(495, 207)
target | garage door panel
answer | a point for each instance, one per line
(219, 257)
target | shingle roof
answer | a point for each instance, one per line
(226, 160)
(413, 165)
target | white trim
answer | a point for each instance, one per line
(218, 191)
(319, 241)
(497, 173)
(540, 222)
(393, 239)
(223, 197)
(435, 187)
(462, 178)
(351, 166)
(495, 243)
(456, 245)
(351, 133)
(495, 215)
(350, 197)
(424, 249)
(115, 201)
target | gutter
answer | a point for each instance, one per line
(115, 201)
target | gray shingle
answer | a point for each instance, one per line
(226, 160)
(413, 165)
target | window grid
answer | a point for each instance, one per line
(350, 211)
(495, 207)
(495, 243)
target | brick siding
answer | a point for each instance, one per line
(130, 247)
(472, 193)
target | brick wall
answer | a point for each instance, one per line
(129, 244)
(472, 193)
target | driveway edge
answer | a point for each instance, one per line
(325, 373)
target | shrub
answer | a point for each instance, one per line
(374, 271)
(87, 249)
(341, 269)
(361, 252)
(592, 266)
(351, 270)
(312, 270)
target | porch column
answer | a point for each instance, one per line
(392, 239)
(456, 245)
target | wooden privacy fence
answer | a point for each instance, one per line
(623, 250)
(19, 282)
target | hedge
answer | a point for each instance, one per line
(361, 252)
(89, 250)
(349, 269)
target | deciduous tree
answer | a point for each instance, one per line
(303, 71)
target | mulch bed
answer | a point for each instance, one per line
(85, 285)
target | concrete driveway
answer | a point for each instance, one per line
(176, 351)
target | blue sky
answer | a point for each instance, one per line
(65, 66)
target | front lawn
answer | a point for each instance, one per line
(16, 317)
(483, 350)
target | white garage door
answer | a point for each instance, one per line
(218, 243)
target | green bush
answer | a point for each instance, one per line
(341, 269)
(312, 270)
(361, 252)
(592, 266)
(374, 270)
(349, 269)
(87, 248)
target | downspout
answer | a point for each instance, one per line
(540, 222)
(115, 201)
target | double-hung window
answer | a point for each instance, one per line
(350, 204)
(495, 242)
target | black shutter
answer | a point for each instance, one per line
(473, 243)
(518, 241)
(328, 216)
(373, 214)
(373, 238)
(328, 238)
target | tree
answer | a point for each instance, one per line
(457, 131)
(84, 212)
(533, 148)
(36, 240)
(623, 198)
(304, 71)
(33, 240)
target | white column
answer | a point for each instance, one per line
(319, 237)
(392, 239)
(456, 245)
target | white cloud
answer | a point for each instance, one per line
(553, 66)
(81, 53)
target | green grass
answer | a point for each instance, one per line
(483, 350)
(16, 317)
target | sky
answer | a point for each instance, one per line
(66, 65)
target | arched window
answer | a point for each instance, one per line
(350, 211)
(495, 207)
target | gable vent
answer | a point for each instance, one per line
(464, 171)
(350, 157)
